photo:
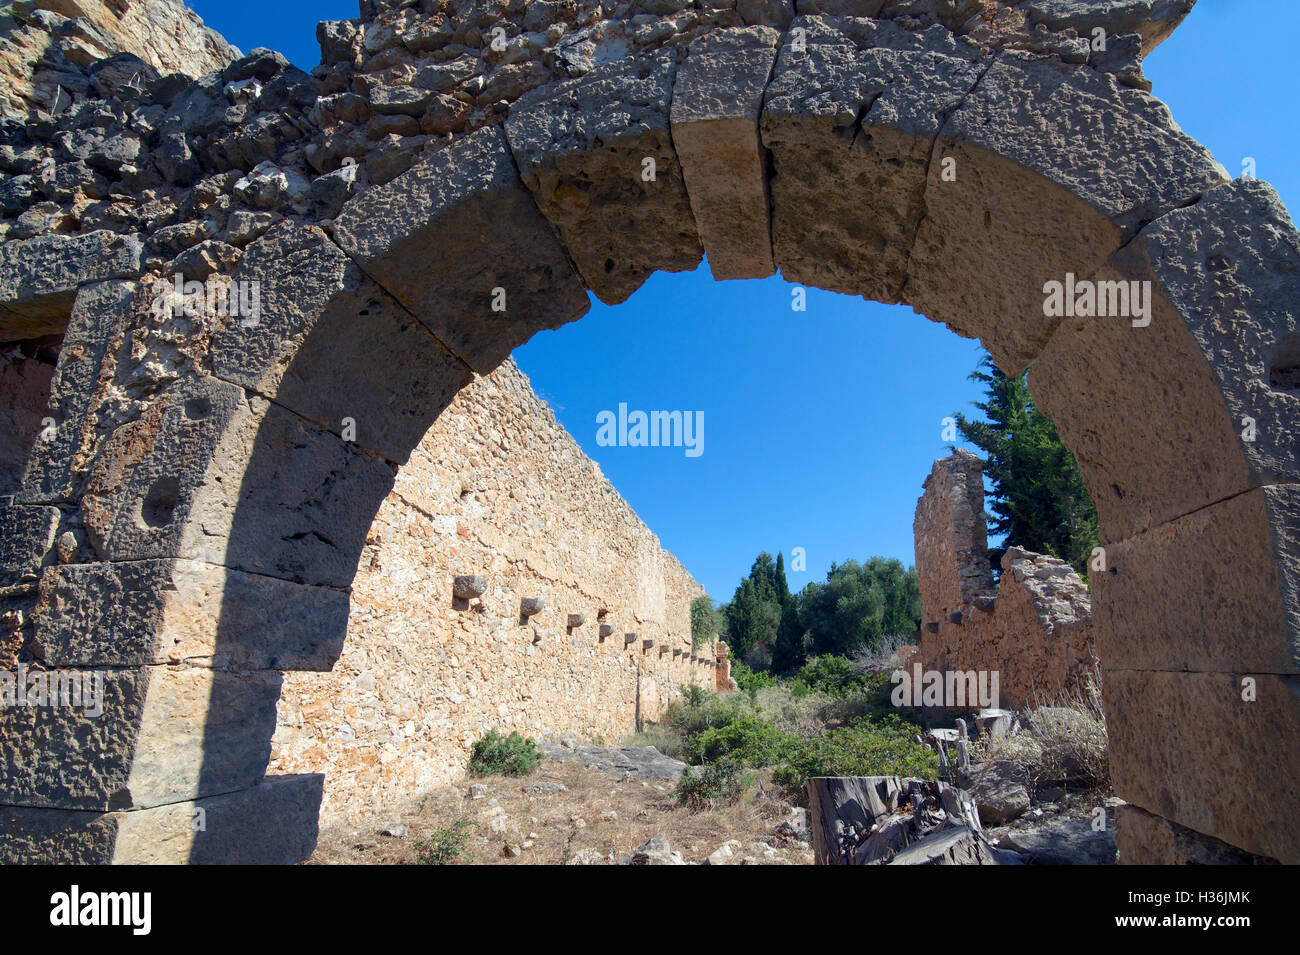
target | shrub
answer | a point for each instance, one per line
(445, 846)
(751, 680)
(747, 741)
(881, 657)
(884, 748)
(713, 785)
(836, 676)
(800, 715)
(696, 711)
(512, 755)
(694, 695)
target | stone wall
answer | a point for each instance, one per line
(45, 44)
(500, 490)
(1034, 628)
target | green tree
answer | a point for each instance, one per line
(1038, 499)
(768, 627)
(858, 605)
(706, 622)
(755, 612)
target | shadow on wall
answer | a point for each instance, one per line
(363, 385)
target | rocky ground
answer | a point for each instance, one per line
(590, 805)
(585, 805)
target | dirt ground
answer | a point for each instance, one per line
(561, 812)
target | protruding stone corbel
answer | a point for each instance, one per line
(531, 606)
(606, 630)
(468, 586)
(629, 639)
(647, 644)
(576, 620)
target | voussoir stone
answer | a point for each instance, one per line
(315, 304)
(26, 541)
(1188, 747)
(1202, 399)
(111, 615)
(717, 101)
(850, 120)
(99, 315)
(597, 154)
(459, 242)
(1007, 212)
(1153, 20)
(212, 474)
(1247, 549)
(39, 277)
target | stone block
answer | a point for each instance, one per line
(1213, 367)
(209, 474)
(39, 277)
(1144, 839)
(1217, 590)
(26, 541)
(1052, 174)
(315, 304)
(147, 612)
(597, 154)
(468, 586)
(1187, 747)
(717, 101)
(445, 235)
(850, 122)
(98, 321)
(272, 823)
(164, 736)
(1153, 20)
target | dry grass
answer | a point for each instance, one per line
(881, 659)
(806, 715)
(1064, 741)
(594, 812)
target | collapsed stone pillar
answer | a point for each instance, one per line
(722, 681)
(952, 561)
(1034, 631)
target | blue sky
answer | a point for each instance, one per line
(820, 426)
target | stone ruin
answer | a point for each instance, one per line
(1034, 629)
(458, 174)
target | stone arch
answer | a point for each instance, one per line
(227, 517)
